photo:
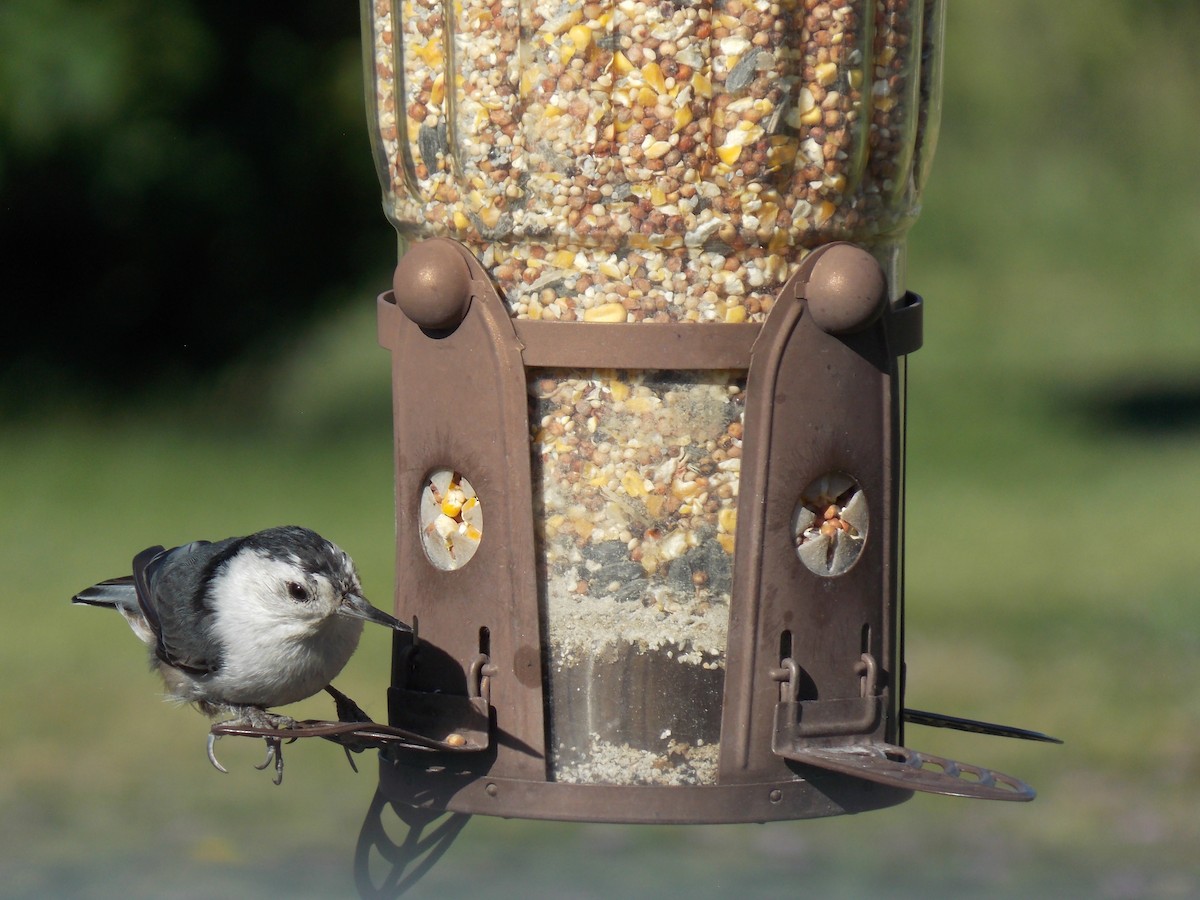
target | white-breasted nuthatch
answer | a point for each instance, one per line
(247, 623)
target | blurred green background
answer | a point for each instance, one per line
(173, 178)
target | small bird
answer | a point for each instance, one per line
(240, 625)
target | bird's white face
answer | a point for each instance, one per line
(280, 591)
(283, 628)
(315, 596)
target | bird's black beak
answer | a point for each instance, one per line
(356, 607)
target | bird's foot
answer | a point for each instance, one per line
(347, 709)
(254, 717)
(274, 754)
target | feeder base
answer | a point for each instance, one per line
(817, 795)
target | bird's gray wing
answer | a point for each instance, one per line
(172, 587)
(142, 587)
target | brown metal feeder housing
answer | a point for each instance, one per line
(807, 716)
(535, 684)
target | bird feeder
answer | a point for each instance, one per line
(648, 334)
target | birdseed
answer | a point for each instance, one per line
(635, 160)
(673, 763)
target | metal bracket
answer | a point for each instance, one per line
(801, 726)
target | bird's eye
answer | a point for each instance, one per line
(298, 591)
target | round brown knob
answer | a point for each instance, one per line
(432, 285)
(846, 290)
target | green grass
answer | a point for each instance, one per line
(1052, 579)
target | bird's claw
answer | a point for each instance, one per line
(212, 753)
(274, 754)
(348, 711)
(272, 750)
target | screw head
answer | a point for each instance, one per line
(432, 285)
(846, 290)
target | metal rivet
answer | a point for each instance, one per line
(491, 790)
(776, 795)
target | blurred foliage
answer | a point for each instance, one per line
(183, 184)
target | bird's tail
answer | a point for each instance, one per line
(119, 594)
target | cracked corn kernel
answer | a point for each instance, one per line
(581, 37)
(609, 312)
(633, 484)
(729, 153)
(652, 73)
(657, 150)
(452, 503)
(826, 73)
